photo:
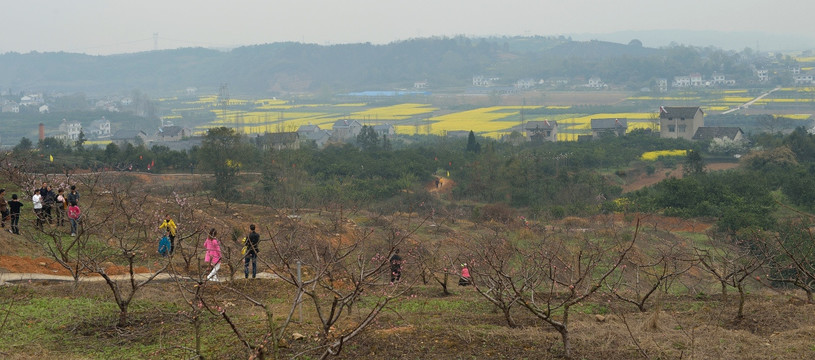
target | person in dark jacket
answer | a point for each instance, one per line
(396, 266)
(48, 200)
(14, 209)
(4, 213)
(73, 196)
(251, 253)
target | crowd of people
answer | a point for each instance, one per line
(50, 207)
(58, 208)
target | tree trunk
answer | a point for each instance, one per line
(196, 321)
(567, 347)
(122, 315)
(508, 317)
(724, 292)
(741, 301)
(809, 295)
(444, 285)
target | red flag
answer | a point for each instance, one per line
(153, 163)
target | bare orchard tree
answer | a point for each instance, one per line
(496, 274)
(792, 256)
(124, 239)
(439, 261)
(191, 228)
(732, 264)
(550, 275)
(642, 275)
(334, 271)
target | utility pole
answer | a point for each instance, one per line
(223, 99)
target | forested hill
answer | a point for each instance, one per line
(295, 67)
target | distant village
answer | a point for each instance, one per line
(795, 76)
(673, 122)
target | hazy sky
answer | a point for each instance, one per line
(113, 26)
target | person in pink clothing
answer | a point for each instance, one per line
(213, 256)
(465, 276)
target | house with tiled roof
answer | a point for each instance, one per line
(680, 121)
(609, 126)
(173, 133)
(125, 136)
(279, 141)
(313, 133)
(718, 132)
(99, 129)
(541, 131)
(346, 129)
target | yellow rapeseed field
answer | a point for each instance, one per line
(394, 112)
(654, 155)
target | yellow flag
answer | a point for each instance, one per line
(52, 157)
(448, 174)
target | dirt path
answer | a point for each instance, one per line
(22, 277)
(662, 174)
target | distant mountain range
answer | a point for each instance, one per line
(728, 40)
(281, 68)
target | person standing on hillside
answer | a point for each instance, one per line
(465, 276)
(14, 209)
(251, 253)
(46, 206)
(213, 256)
(73, 216)
(170, 227)
(60, 206)
(73, 196)
(36, 200)
(48, 201)
(396, 266)
(3, 208)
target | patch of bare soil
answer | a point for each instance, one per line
(441, 185)
(42, 265)
(662, 174)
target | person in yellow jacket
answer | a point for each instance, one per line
(170, 227)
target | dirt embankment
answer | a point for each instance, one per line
(662, 174)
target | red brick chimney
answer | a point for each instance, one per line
(42, 132)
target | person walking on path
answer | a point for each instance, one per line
(170, 227)
(4, 213)
(251, 253)
(73, 216)
(213, 256)
(396, 266)
(14, 209)
(36, 200)
(61, 206)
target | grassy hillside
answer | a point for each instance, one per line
(685, 317)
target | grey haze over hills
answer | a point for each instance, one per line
(727, 40)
